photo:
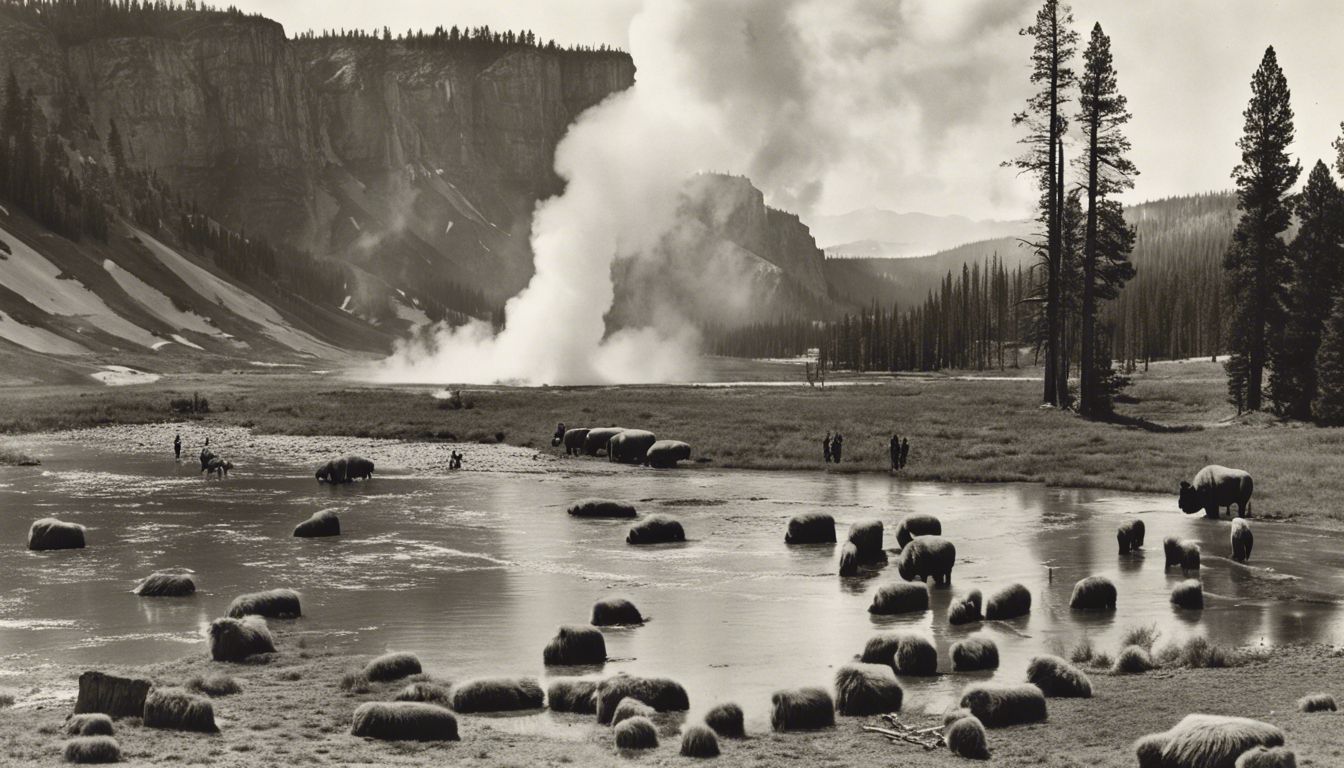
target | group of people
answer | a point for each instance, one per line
(455, 460)
(833, 447)
(900, 451)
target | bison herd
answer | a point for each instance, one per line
(624, 446)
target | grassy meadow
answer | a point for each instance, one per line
(970, 428)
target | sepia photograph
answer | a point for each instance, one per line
(622, 383)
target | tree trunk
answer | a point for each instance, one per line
(1087, 376)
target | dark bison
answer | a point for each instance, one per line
(1215, 487)
(345, 470)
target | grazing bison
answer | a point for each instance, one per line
(596, 440)
(1215, 487)
(334, 471)
(574, 439)
(218, 467)
(1242, 540)
(665, 454)
(1182, 553)
(911, 526)
(358, 468)
(630, 446)
(1130, 536)
(928, 556)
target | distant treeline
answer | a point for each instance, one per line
(481, 39)
(981, 316)
(78, 21)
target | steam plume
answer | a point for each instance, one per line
(782, 91)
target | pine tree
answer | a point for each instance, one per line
(1317, 259)
(1329, 403)
(1103, 114)
(1046, 124)
(1256, 264)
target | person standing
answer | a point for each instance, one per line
(905, 450)
(836, 445)
(177, 447)
(826, 448)
(559, 436)
(895, 451)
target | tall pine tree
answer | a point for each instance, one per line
(1329, 402)
(1317, 260)
(1102, 114)
(1256, 264)
(1044, 119)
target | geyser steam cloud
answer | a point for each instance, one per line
(783, 91)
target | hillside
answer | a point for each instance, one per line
(70, 310)
(1173, 235)
(877, 233)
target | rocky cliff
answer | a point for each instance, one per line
(420, 164)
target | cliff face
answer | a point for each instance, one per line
(420, 164)
(735, 210)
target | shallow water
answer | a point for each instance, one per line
(474, 571)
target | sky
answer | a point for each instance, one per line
(925, 89)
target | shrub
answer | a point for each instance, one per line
(213, 684)
(89, 724)
(1133, 660)
(628, 708)
(636, 733)
(179, 710)
(699, 741)
(92, 749)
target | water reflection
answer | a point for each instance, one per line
(474, 571)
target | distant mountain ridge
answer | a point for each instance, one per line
(877, 233)
(1171, 232)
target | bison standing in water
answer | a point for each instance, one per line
(345, 470)
(1215, 487)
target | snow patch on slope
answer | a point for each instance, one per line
(121, 376)
(37, 339)
(237, 301)
(159, 304)
(32, 276)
